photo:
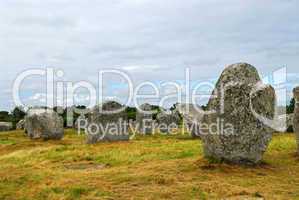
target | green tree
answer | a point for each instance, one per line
(131, 113)
(5, 116)
(17, 114)
(291, 106)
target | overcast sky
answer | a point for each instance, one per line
(152, 40)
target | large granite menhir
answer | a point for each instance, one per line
(108, 123)
(296, 116)
(44, 124)
(240, 104)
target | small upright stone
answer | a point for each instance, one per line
(21, 125)
(144, 119)
(5, 126)
(192, 118)
(167, 121)
(289, 123)
(296, 115)
(80, 123)
(108, 123)
(236, 130)
(44, 124)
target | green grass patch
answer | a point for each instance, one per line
(6, 141)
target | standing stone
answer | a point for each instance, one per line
(287, 123)
(296, 115)
(5, 126)
(192, 118)
(80, 123)
(44, 124)
(167, 121)
(108, 123)
(234, 132)
(21, 125)
(290, 120)
(144, 119)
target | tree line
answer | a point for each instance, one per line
(18, 113)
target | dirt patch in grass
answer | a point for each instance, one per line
(85, 166)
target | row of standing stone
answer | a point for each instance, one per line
(244, 92)
(47, 124)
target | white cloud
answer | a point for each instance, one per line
(152, 40)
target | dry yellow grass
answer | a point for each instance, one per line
(155, 167)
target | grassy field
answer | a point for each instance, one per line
(149, 167)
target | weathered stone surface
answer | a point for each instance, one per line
(108, 123)
(21, 125)
(192, 117)
(167, 120)
(286, 122)
(296, 115)
(236, 133)
(290, 121)
(72, 112)
(5, 126)
(44, 124)
(144, 119)
(82, 121)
